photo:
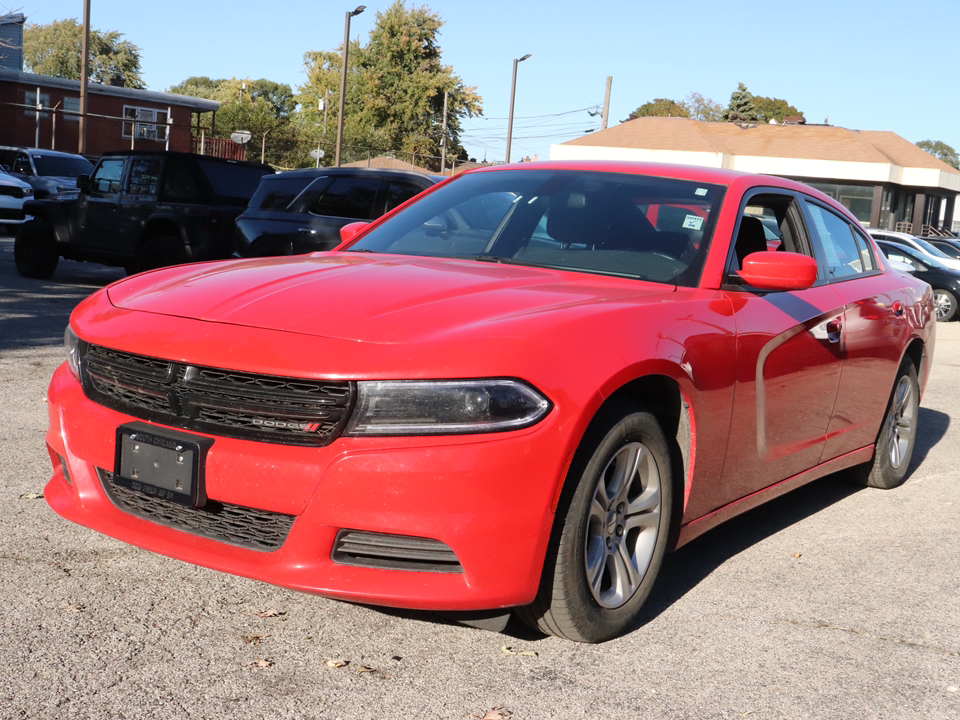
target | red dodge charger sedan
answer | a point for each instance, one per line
(514, 393)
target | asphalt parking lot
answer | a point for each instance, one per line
(831, 602)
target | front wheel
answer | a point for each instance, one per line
(610, 544)
(898, 434)
(945, 303)
(35, 250)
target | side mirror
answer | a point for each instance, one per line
(779, 271)
(83, 182)
(349, 231)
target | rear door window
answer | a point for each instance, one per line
(277, 192)
(348, 197)
(845, 251)
(399, 192)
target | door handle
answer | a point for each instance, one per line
(834, 331)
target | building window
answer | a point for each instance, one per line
(858, 199)
(31, 100)
(150, 124)
(71, 109)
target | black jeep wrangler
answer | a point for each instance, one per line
(139, 210)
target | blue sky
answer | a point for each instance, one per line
(860, 64)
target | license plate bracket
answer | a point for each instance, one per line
(162, 463)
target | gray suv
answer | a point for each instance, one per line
(46, 171)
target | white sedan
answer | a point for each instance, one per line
(13, 193)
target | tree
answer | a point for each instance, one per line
(660, 107)
(395, 88)
(941, 150)
(55, 49)
(703, 108)
(263, 107)
(773, 109)
(741, 107)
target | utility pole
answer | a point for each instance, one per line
(84, 72)
(443, 138)
(606, 103)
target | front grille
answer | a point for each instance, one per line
(394, 552)
(233, 524)
(268, 408)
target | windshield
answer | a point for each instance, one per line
(637, 226)
(62, 165)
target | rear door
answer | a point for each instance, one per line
(874, 328)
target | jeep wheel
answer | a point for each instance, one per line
(160, 251)
(35, 250)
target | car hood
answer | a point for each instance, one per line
(374, 298)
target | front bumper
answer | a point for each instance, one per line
(488, 498)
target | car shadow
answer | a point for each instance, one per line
(685, 568)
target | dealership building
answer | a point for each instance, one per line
(883, 179)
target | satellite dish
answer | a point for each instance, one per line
(316, 154)
(241, 136)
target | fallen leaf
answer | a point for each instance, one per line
(796, 555)
(511, 651)
(32, 496)
(337, 663)
(262, 662)
(497, 714)
(365, 669)
(252, 639)
(270, 613)
(75, 608)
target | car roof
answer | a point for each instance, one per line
(42, 151)
(380, 172)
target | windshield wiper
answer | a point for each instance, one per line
(491, 258)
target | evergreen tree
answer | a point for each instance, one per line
(741, 108)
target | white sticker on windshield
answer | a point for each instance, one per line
(701, 191)
(693, 222)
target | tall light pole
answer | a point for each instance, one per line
(513, 95)
(343, 78)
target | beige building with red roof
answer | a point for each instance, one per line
(885, 180)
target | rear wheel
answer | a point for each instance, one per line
(898, 434)
(608, 550)
(945, 303)
(160, 251)
(35, 250)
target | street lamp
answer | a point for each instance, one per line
(343, 78)
(513, 95)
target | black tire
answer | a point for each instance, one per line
(160, 251)
(945, 304)
(613, 527)
(898, 434)
(35, 250)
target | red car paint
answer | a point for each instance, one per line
(778, 388)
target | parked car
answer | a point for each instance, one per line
(46, 171)
(919, 244)
(140, 210)
(944, 281)
(302, 211)
(13, 193)
(948, 246)
(517, 392)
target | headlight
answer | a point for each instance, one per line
(445, 407)
(72, 344)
